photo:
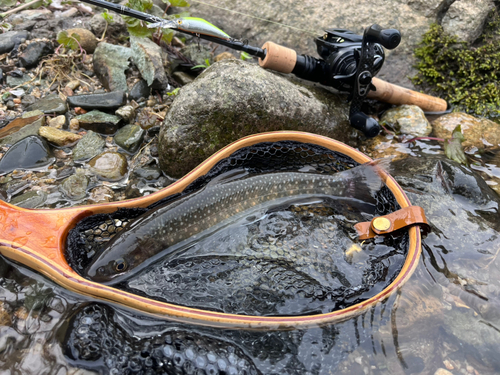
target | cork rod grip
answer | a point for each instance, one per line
(279, 58)
(389, 93)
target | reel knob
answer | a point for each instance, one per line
(389, 38)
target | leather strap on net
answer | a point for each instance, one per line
(413, 215)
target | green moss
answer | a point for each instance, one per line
(467, 76)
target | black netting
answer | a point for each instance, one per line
(93, 232)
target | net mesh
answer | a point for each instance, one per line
(85, 240)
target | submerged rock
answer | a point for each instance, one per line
(110, 62)
(111, 166)
(31, 199)
(75, 186)
(31, 152)
(89, 146)
(100, 194)
(129, 137)
(106, 101)
(232, 99)
(408, 119)
(99, 122)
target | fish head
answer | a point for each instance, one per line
(107, 267)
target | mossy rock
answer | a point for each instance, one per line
(465, 75)
(233, 99)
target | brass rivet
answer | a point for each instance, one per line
(381, 223)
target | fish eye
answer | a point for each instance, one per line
(120, 265)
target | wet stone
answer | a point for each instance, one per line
(51, 104)
(99, 122)
(75, 186)
(31, 199)
(10, 39)
(129, 137)
(408, 119)
(148, 173)
(140, 90)
(18, 124)
(100, 194)
(106, 101)
(21, 130)
(31, 152)
(111, 166)
(34, 52)
(89, 146)
(58, 137)
(110, 62)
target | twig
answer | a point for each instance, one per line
(424, 138)
(104, 33)
(21, 7)
(142, 148)
(493, 259)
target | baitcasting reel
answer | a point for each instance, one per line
(349, 62)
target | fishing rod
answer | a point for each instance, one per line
(348, 63)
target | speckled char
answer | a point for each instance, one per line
(170, 226)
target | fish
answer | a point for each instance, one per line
(168, 229)
(192, 25)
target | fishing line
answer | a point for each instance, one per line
(255, 17)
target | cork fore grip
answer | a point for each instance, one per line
(393, 94)
(278, 58)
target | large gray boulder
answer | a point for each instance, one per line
(233, 99)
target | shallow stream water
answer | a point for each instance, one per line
(446, 316)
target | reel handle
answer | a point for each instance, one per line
(397, 95)
(365, 124)
(389, 38)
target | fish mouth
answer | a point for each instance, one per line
(99, 274)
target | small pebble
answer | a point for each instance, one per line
(57, 122)
(74, 124)
(80, 111)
